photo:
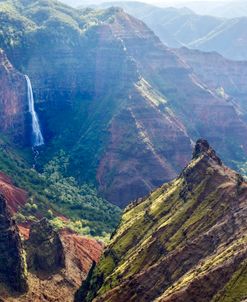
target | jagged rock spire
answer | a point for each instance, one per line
(202, 147)
(44, 248)
(13, 271)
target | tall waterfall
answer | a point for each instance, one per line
(37, 137)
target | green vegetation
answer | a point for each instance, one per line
(91, 214)
(170, 221)
(59, 198)
(236, 288)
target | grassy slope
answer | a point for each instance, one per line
(164, 223)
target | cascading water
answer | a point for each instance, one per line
(37, 137)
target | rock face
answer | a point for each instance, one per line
(13, 271)
(13, 102)
(226, 77)
(158, 122)
(202, 147)
(185, 242)
(44, 248)
(61, 285)
(125, 108)
(54, 280)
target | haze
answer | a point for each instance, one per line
(159, 2)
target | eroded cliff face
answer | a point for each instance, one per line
(167, 109)
(62, 283)
(125, 108)
(141, 148)
(13, 102)
(226, 77)
(185, 242)
(56, 265)
(39, 263)
(13, 270)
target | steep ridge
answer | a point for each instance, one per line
(110, 118)
(186, 241)
(226, 77)
(174, 26)
(228, 39)
(178, 27)
(13, 102)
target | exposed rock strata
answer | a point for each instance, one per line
(13, 103)
(13, 270)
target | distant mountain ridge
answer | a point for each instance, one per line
(225, 9)
(225, 76)
(178, 27)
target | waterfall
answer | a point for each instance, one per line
(37, 137)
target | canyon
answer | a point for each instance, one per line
(110, 118)
(97, 119)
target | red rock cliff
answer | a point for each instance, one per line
(13, 102)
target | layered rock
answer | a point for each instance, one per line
(185, 242)
(13, 271)
(13, 102)
(171, 106)
(124, 107)
(44, 248)
(226, 77)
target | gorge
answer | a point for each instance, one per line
(109, 118)
(113, 208)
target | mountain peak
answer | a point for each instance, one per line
(202, 147)
(177, 240)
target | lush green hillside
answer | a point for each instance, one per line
(186, 241)
(56, 197)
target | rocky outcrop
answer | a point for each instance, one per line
(45, 252)
(13, 102)
(203, 148)
(185, 242)
(13, 271)
(80, 253)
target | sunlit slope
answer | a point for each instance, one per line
(186, 241)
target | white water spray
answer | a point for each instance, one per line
(37, 137)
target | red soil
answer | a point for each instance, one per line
(81, 251)
(16, 197)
